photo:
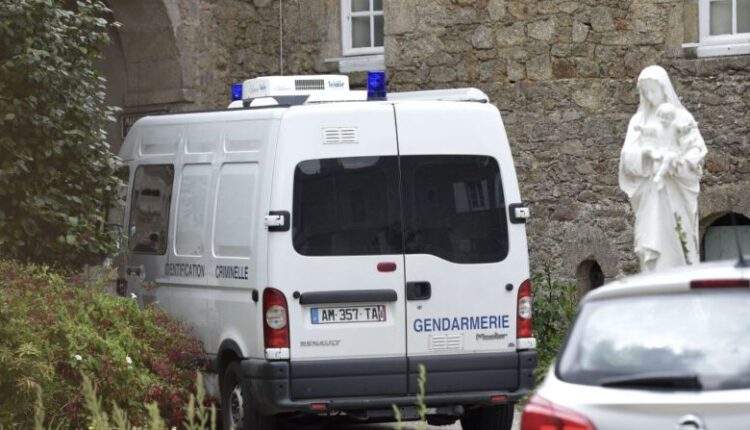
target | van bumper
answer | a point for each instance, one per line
(371, 384)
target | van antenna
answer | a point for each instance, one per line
(281, 40)
(742, 262)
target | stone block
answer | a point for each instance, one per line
(516, 71)
(569, 6)
(401, 17)
(541, 30)
(601, 19)
(482, 38)
(511, 35)
(497, 9)
(539, 68)
(580, 31)
(520, 9)
(469, 71)
(440, 59)
(561, 50)
(563, 69)
(442, 74)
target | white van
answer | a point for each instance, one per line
(324, 246)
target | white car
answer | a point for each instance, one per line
(668, 350)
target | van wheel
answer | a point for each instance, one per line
(238, 411)
(488, 418)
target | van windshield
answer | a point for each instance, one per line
(453, 207)
(695, 340)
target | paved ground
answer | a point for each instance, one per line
(413, 426)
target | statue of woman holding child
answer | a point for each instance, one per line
(661, 164)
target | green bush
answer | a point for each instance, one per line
(555, 306)
(53, 329)
(57, 172)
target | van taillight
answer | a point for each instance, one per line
(524, 310)
(541, 414)
(275, 319)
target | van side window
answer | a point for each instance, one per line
(149, 209)
(347, 206)
(192, 205)
(454, 208)
(235, 209)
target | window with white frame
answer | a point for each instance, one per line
(723, 26)
(362, 27)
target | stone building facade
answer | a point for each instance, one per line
(562, 73)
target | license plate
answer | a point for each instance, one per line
(348, 314)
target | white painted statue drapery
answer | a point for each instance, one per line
(661, 164)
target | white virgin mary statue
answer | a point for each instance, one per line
(661, 164)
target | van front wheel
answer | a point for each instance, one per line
(488, 418)
(237, 409)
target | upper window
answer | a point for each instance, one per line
(149, 209)
(362, 26)
(718, 27)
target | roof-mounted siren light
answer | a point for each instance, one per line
(237, 91)
(376, 85)
(279, 86)
(236, 96)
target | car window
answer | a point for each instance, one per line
(347, 206)
(701, 333)
(454, 208)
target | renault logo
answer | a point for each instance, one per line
(690, 422)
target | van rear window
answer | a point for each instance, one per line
(453, 207)
(347, 206)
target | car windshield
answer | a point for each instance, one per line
(695, 340)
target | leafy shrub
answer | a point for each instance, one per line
(555, 306)
(53, 329)
(56, 172)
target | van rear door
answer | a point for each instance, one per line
(341, 263)
(464, 261)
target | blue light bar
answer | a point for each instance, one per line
(376, 85)
(237, 91)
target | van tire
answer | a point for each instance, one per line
(238, 411)
(488, 418)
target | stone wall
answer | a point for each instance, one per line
(563, 74)
(234, 40)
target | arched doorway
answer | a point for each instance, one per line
(589, 275)
(146, 68)
(721, 238)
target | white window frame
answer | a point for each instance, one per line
(346, 29)
(725, 44)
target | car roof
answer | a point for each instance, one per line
(673, 280)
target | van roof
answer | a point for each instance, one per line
(275, 110)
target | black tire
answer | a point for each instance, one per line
(488, 418)
(238, 410)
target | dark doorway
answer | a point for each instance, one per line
(720, 241)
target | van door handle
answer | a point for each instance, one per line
(418, 290)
